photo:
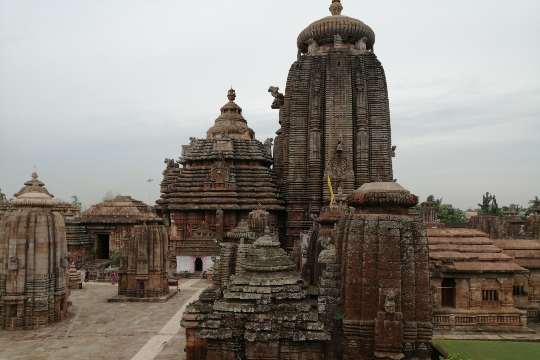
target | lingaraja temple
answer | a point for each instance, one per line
(334, 116)
(214, 185)
(360, 287)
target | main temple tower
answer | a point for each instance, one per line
(334, 116)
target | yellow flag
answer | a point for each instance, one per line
(331, 190)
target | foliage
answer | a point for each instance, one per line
(446, 213)
(490, 350)
(115, 258)
(76, 202)
(451, 216)
(489, 205)
(457, 356)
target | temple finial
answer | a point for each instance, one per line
(34, 175)
(336, 8)
(231, 95)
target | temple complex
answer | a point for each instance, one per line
(33, 260)
(130, 231)
(472, 282)
(212, 188)
(363, 287)
(334, 116)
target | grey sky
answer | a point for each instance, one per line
(96, 93)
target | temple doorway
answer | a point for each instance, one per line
(448, 296)
(102, 246)
(198, 265)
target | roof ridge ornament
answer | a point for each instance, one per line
(336, 8)
(231, 95)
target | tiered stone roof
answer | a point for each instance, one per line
(228, 170)
(120, 210)
(526, 253)
(461, 250)
(267, 302)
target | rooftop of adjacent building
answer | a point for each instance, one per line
(121, 209)
(464, 250)
(526, 252)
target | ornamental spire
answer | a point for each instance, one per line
(336, 8)
(231, 95)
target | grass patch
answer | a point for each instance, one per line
(490, 350)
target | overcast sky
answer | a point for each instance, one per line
(96, 93)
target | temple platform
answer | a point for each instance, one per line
(161, 299)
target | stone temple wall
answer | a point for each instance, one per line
(384, 275)
(33, 261)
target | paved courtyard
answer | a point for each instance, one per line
(99, 330)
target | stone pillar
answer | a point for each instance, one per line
(475, 293)
(219, 225)
(462, 294)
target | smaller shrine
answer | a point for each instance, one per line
(33, 260)
(264, 312)
(127, 234)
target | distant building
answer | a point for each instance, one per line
(526, 287)
(472, 282)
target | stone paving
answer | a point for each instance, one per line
(99, 330)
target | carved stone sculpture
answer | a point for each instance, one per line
(279, 99)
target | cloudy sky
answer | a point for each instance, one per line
(96, 93)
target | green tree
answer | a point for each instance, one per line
(75, 201)
(450, 215)
(446, 213)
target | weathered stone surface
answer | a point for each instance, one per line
(335, 120)
(385, 276)
(33, 260)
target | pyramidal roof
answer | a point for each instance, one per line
(231, 123)
(33, 193)
(121, 209)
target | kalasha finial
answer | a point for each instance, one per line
(231, 95)
(34, 175)
(336, 8)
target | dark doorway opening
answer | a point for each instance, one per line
(102, 246)
(198, 265)
(448, 298)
